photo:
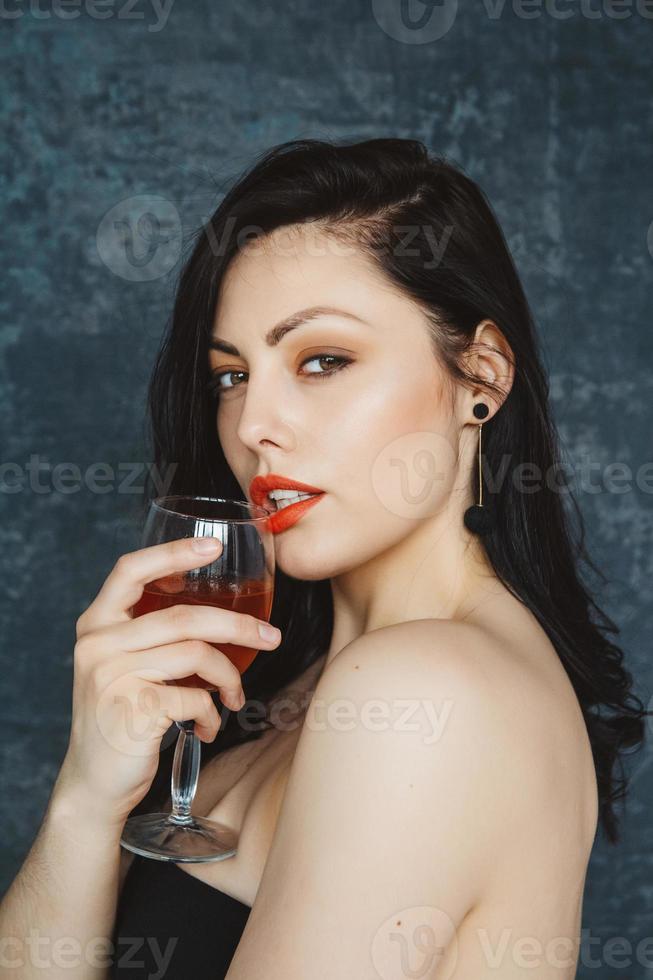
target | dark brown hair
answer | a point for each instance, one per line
(372, 191)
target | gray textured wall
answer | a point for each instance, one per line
(549, 108)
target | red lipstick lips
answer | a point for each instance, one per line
(283, 519)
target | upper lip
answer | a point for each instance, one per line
(260, 487)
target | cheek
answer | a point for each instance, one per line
(386, 457)
(391, 407)
(222, 430)
(393, 448)
(233, 450)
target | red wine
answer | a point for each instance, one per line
(252, 597)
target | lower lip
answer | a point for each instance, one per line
(281, 520)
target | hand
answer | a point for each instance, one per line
(122, 705)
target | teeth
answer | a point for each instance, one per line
(284, 498)
(288, 503)
(280, 494)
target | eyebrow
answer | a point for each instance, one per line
(279, 331)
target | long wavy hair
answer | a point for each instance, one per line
(370, 193)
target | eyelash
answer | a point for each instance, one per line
(215, 388)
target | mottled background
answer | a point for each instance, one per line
(549, 107)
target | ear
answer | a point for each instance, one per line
(490, 358)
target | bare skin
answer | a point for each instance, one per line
(395, 558)
(529, 899)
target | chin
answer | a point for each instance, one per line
(313, 570)
(312, 562)
(306, 561)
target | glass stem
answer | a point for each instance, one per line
(185, 772)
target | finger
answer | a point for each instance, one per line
(149, 708)
(186, 622)
(175, 660)
(184, 703)
(124, 585)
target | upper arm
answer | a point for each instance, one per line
(390, 817)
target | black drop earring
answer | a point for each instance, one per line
(477, 518)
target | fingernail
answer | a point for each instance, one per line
(205, 545)
(268, 632)
(234, 701)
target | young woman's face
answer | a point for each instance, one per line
(375, 431)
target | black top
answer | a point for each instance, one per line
(172, 926)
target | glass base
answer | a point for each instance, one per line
(155, 835)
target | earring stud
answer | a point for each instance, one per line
(477, 518)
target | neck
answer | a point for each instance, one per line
(439, 571)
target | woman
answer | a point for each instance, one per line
(350, 321)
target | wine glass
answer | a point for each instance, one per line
(242, 579)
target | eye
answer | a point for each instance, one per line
(215, 385)
(340, 363)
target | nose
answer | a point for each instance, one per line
(262, 421)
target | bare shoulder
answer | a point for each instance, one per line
(460, 680)
(448, 685)
(434, 644)
(430, 660)
(418, 664)
(514, 669)
(404, 744)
